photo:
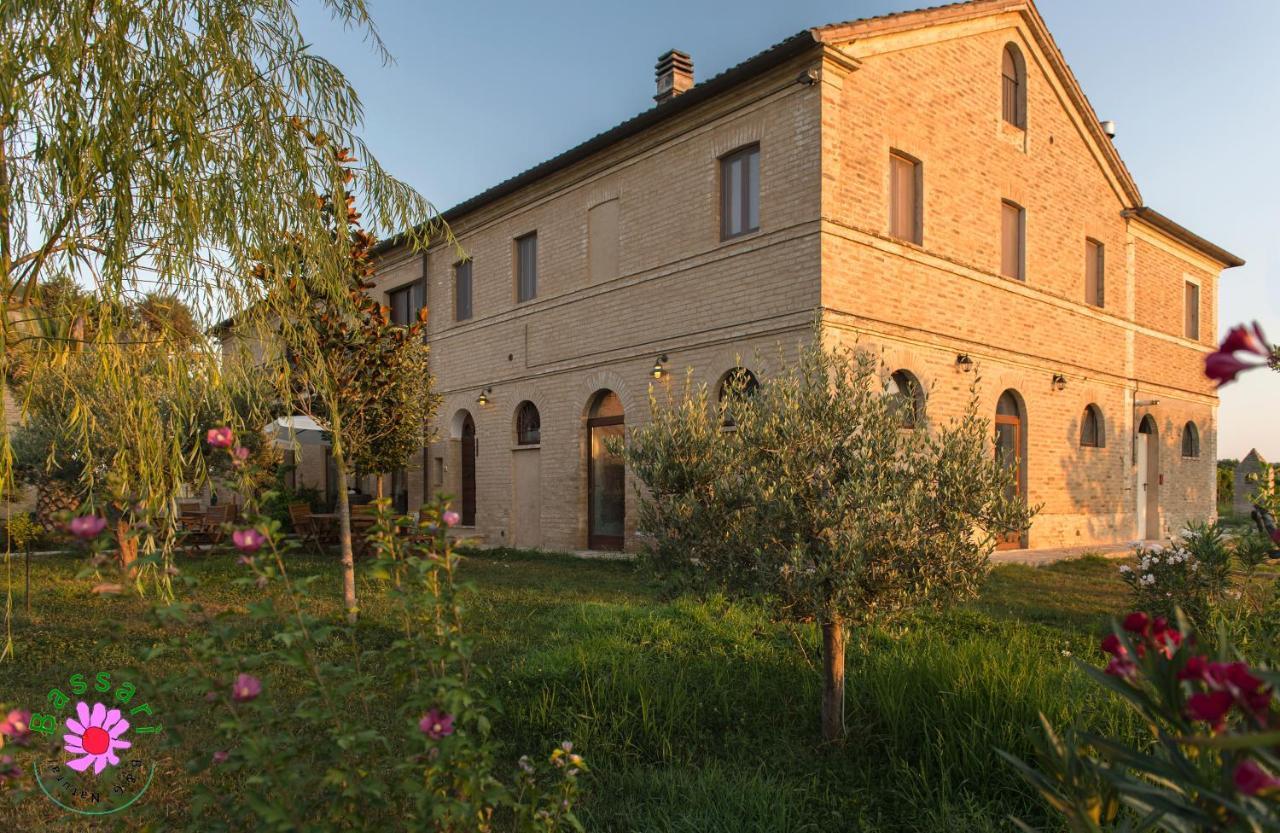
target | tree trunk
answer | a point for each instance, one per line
(128, 546)
(344, 542)
(833, 636)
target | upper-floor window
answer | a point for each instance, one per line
(1013, 228)
(462, 290)
(905, 187)
(1190, 440)
(1091, 430)
(405, 303)
(1191, 310)
(1094, 288)
(740, 192)
(1013, 90)
(527, 267)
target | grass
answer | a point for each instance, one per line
(701, 715)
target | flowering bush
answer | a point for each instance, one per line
(325, 723)
(1188, 574)
(1214, 760)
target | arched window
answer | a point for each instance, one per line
(1013, 91)
(528, 424)
(1092, 432)
(906, 398)
(1190, 440)
(738, 383)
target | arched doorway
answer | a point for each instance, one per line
(468, 466)
(1146, 458)
(1011, 440)
(606, 473)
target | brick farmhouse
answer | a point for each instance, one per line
(932, 185)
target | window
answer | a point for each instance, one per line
(739, 383)
(740, 192)
(1094, 272)
(602, 241)
(1013, 90)
(905, 186)
(527, 267)
(528, 424)
(1191, 302)
(1190, 440)
(1092, 434)
(1013, 222)
(462, 290)
(405, 303)
(906, 398)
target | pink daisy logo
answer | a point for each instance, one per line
(96, 737)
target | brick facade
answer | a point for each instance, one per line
(926, 84)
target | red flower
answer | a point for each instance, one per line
(1136, 622)
(1210, 706)
(1251, 779)
(1166, 641)
(1124, 669)
(1195, 669)
(1275, 536)
(1248, 339)
(1112, 645)
(1224, 367)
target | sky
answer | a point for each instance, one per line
(483, 90)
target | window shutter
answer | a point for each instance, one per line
(1011, 240)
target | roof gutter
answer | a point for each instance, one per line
(1184, 235)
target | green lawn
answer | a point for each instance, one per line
(702, 715)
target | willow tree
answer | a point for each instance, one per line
(822, 500)
(155, 148)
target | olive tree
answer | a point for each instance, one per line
(819, 501)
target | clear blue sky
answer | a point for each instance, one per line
(483, 90)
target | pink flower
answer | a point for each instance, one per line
(1166, 639)
(239, 454)
(436, 724)
(17, 725)
(248, 540)
(220, 437)
(1210, 706)
(95, 737)
(220, 757)
(9, 771)
(451, 518)
(1112, 645)
(1251, 779)
(87, 526)
(1251, 340)
(247, 687)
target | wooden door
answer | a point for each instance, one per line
(468, 472)
(1009, 453)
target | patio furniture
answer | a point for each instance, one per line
(307, 526)
(208, 529)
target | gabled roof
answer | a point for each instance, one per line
(843, 33)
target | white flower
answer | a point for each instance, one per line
(1125, 568)
(1157, 548)
(1148, 579)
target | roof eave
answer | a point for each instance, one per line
(1184, 235)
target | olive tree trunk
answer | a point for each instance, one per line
(833, 638)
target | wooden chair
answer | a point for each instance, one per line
(210, 530)
(305, 526)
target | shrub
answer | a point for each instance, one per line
(1212, 763)
(1190, 574)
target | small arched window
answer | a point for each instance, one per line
(1013, 91)
(738, 383)
(906, 398)
(1092, 434)
(528, 424)
(1190, 440)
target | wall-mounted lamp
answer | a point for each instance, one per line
(1059, 382)
(657, 366)
(483, 399)
(964, 362)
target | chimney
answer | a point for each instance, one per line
(1109, 127)
(674, 74)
